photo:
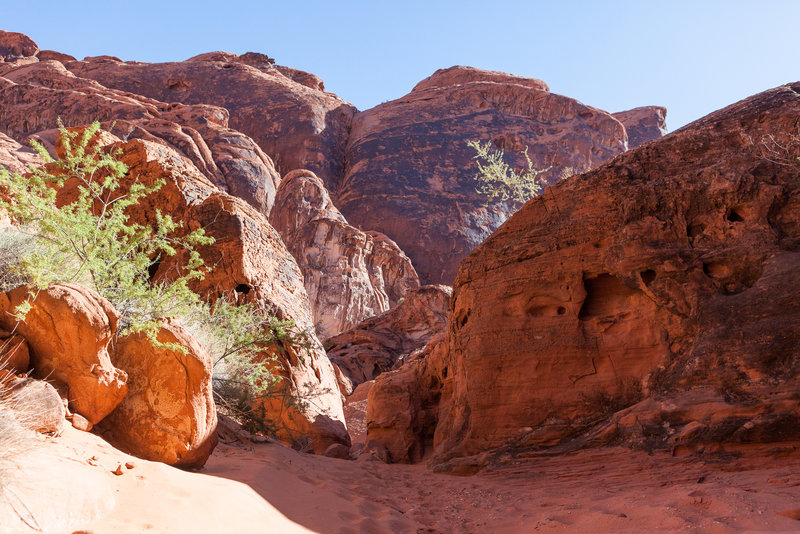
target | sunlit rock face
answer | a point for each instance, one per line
(410, 173)
(662, 286)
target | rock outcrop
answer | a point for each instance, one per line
(349, 275)
(410, 173)
(15, 46)
(662, 287)
(15, 157)
(169, 413)
(250, 263)
(377, 344)
(33, 96)
(68, 330)
(298, 124)
(643, 124)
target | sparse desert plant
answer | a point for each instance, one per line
(498, 181)
(89, 238)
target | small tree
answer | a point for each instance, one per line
(89, 239)
(498, 181)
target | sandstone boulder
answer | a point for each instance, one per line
(643, 124)
(14, 157)
(169, 413)
(68, 330)
(410, 173)
(671, 270)
(349, 275)
(377, 344)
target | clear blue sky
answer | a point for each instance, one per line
(691, 56)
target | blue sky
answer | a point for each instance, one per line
(692, 57)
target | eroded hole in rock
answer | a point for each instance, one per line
(648, 276)
(695, 229)
(605, 296)
(561, 310)
(716, 270)
(463, 320)
(179, 86)
(735, 214)
(152, 269)
(243, 289)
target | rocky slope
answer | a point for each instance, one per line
(654, 301)
(410, 172)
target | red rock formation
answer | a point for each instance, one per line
(34, 96)
(248, 259)
(410, 172)
(349, 275)
(284, 110)
(643, 124)
(375, 345)
(68, 330)
(15, 45)
(168, 414)
(667, 281)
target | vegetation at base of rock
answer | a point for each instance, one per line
(90, 239)
(74, 226)
(498, 181)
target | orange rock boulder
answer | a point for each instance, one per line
(168, 414)
(69, 330)
(349, 275)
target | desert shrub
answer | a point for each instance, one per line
(90, 239)
(86, 236)
(498, 181)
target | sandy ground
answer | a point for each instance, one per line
(269, 488)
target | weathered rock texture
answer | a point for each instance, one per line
(250, 263)
(169, 413)
(40, 403)
(643, 124)
(15, 157)
(411, 175)
(68, 330)
(665, 284)
(33, 96)
(284, 110)
(349, 275)
(375, 345)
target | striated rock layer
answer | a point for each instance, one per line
(284, 110)
(34, 96)
(663, 287)
(410, 172)
(349, 275)
(379, 343)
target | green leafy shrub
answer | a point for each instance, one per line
(73, 226)
(89, 238)
(498, 181)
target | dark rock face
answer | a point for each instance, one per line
(410, 172)
(643, 124)
(662, 287)
(284, 110)
(15, 46)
